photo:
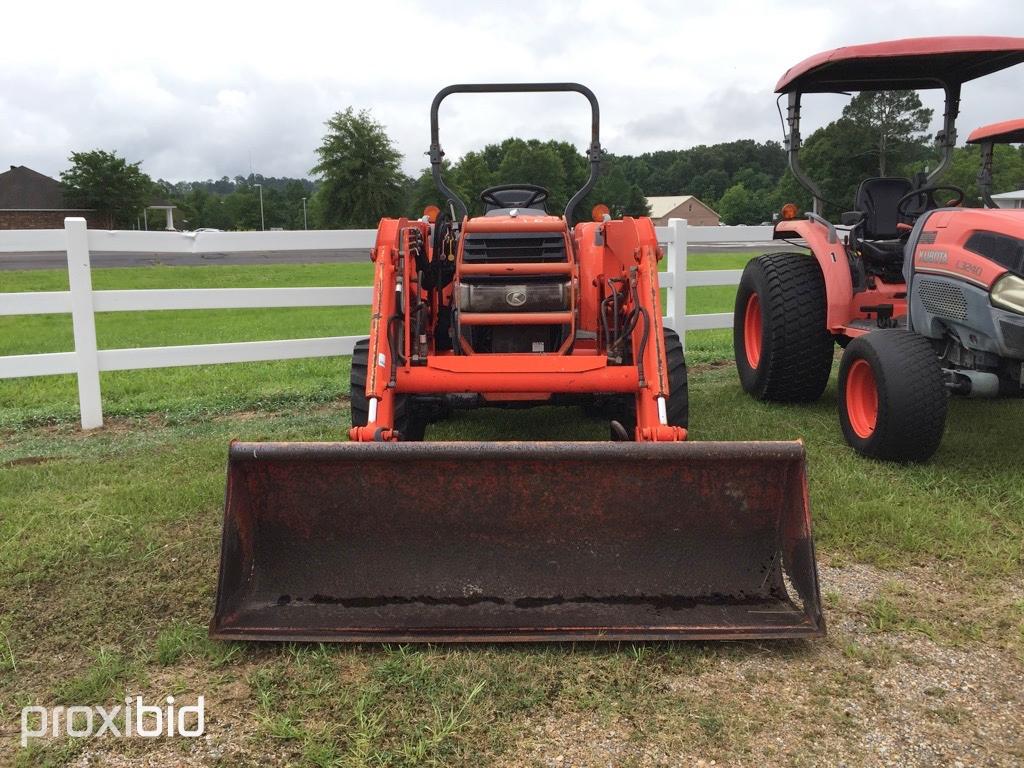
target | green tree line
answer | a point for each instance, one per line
(358, 176)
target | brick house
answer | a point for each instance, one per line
(30, 200)
(687, 207)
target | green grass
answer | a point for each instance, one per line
(108, 559)
(967, 506)
(702, 261)
(184, 392)
(109, 548)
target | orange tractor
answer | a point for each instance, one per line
(388, 538)
(987, 137)
(925, 297)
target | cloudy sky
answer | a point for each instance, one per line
(203, 89)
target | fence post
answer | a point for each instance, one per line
(84, 322)
(677, 265)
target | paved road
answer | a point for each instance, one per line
(99, 259)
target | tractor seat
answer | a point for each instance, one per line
(876, 199)
(880, 238)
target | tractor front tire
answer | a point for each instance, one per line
(780, 337)
(892, 400)
(623, 407)
(410, 425)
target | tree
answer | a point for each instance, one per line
(626, 181)
(470, 177)
(110, 185)
(242, 207)
(532, 162)
(710, 186)
(360, 172)
(896, 120)
(837, 158)
(614, 190)
(636, 203)
(1007, 172)
(740, 205)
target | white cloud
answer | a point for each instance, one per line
(196, 89)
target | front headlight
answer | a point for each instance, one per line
(1008, 293)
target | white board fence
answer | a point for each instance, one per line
(82, 302)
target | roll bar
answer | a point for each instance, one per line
(909, 64)
(1006, 132)
(985, 174)
(945, 140)
(593, 152)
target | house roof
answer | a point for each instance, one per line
(662, 206)
(1018, 195)
(23, 188)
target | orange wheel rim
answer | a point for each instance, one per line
(752, 331)
(862, 399)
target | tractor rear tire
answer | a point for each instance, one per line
(410, 425)
(623, 408)
(780, 337)
(892, 400)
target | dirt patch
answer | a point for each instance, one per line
(28, 461)
(705, 367)
(862, 698)
(901, 680)
(310, 410)
(112, 425)
(230, 736)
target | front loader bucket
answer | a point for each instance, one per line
(495, 542)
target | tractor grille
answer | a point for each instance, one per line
(524, 296)
(943, 299)
(526, 247)
(1013, 336)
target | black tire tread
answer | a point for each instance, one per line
(913, 400)
(794, 301)
(411, 426)
(358, 404)
(623, 409)
(678, 406)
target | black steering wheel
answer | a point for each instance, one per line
(538, 196)
(904, 202)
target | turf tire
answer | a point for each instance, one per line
(795, 354)
(912, 400)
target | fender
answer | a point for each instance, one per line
(834, 263)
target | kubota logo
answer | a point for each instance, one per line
(516, 297)
(932, 257)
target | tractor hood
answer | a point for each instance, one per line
(526, 222)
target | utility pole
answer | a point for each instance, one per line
(305, 221)
(263, 223)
